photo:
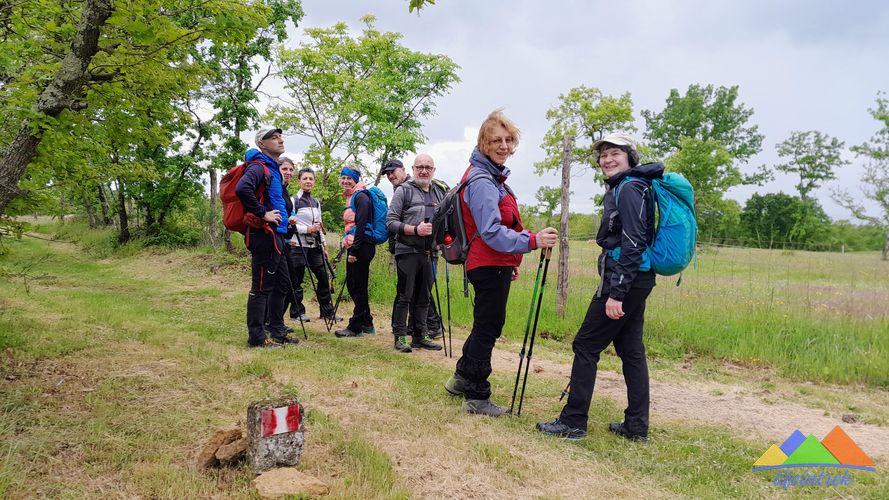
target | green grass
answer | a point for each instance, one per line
(119, 377)
(812, 316)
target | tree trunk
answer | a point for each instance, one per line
(60, 94)
(106, 210)
(886, 247)
(214, 195)
(124, 235)
(562, 283)
(91, 218)
(227, 238)
(62, 208)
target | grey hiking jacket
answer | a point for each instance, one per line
(408, 208)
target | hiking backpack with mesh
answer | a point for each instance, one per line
(448, 229)
(676, 232)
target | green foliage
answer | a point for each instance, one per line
(416, 5)
(775, 219)
(137, 131)
(719, 221)
(875, 181)
(813, 156)
(704, 135)
(358, 95)
(547, 200)
(707, 114)
(585, 114)
(857, 237)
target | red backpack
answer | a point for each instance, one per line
(234, 216)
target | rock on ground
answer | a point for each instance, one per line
(207, 456)
(230, 453)
(287, 481)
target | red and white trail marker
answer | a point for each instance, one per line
(280, 420)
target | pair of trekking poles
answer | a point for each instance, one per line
(328, 321)
(536, 300)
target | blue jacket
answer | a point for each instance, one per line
(483, 197)
(253, 177)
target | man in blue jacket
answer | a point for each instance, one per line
(261, 190)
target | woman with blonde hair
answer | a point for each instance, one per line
(491, 214)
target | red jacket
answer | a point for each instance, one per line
(480, 254)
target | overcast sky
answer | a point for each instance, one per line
(800, 65)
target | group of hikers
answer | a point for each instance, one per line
(289, 237)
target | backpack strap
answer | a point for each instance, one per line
(614, 253)
(477, 175)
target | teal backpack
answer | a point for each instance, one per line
(376, 228)
(676, 232)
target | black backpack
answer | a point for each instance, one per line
(448, 229)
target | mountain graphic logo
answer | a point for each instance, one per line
(836, 450)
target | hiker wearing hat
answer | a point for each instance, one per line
(261, 191)
(361, 250)
(617, 312)
(394, 171)
(491, 213)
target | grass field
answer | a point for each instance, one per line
(115, 370)
(813, 316)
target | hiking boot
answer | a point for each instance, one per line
(424, 343)
(619, 429)
(435, 334)
(287, 339)
(558, 429)
(302, 317)
(266, 344)
(482, 407)
(332, 317)
(401, 344)
(345, 332)
(369, 330)
(456, 385)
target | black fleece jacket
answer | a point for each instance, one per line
(629, 225)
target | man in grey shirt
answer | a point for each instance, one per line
(410, 211)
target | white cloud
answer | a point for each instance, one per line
(800, 64)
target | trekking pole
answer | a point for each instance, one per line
(547, 252)
(438, 303)
(527, 330)
(448, 292)
(293, 298)
(308, 269)
(434, 270)
(329, 322)
(566, 390)
(339, 296)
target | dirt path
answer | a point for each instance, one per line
(710, 403)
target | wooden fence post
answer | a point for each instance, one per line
(562, 283)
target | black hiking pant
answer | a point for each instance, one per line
(314, 261)
(594, 335)
(270, 284)
(433, 316)
(357, 276)
(491, 285)
(412, 297)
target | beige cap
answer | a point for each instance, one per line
(616, 138)
(266, 132)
